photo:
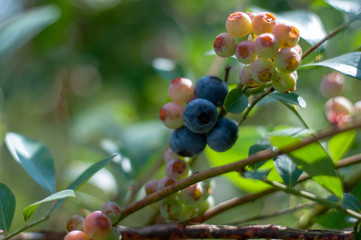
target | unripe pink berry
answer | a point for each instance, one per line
(165, 182)
(97, 225)
(285, 82)
(332, 85)
(181, 90)
(151, 186)
(224, 45)
(177, 169)
(75, 222)
(338, 110)
(287, 60)
(263, 22)
(266, 45)
(192, 194)
(287, 35)
(238, 24)
(245, 77)
(171, 115)
(245, 52)
(168, 155)
(298, 49)
(262, 70)
(76, 235)
(111, 210)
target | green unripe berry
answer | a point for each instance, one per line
(75, 222)
(262, 70)
(114, 235)
(224, 45)
(285, 82)
(111, 210)
(238, 24)
(171, 208)
(266, 45)
(203, 206)
(287, 60)
(245, 52)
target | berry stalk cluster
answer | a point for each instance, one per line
(269, 50)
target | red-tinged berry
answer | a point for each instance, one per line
(285, 82)
(171, 208)
(111, 210)
(224, 45)
(262, 70)
(177, 169)
(151, 186)
(266, 45)
(75, 222)
(97, 225)
(181, 90)
(287, 35)
(171, 115)
(238, 24)
(245, 52)
(338, 110)
(332, 85)
(263, 22)
(245, 77)
(165, 182)
(76, 235)
(287, 60)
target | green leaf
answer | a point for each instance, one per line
(88, 173)
(28, 211)
(287, 170)
(339, 144)
(7, 207)
(235, 101)
(261, 145)
(351, 202)
(21, 29)
(35, 158)
(291, 98)
(352, 7)
(348, 64)
(312, 159)
(259, 175)
(247, 136)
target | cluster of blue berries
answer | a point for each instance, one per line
(200, 124)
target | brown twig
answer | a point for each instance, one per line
(236, 166)
(203, 231)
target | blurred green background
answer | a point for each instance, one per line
(88, 77)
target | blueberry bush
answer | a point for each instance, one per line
(211, 119)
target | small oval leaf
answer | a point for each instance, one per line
(235, 101)
(35, 158)
(28, 211)
(287, 170)
(7, 207)
(348, 64)
(340, 143)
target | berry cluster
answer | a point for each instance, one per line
(338, 109)
(269, 50)
(186, 203)
(194, 116)
(97, 225)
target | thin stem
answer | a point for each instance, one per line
(298, 115)
(330, 35)
(250, 107)
(236, 166)
(226, 73)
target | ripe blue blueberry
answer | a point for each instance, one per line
(187, 143)
(223, 135)
(212, 89)
(200, 115)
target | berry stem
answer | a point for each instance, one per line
(235, 166)
(250, 107)
(226, 72)
(331, 34)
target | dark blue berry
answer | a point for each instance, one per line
(212, 89)
(223, 135)
(200, 115)
(186, 143)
